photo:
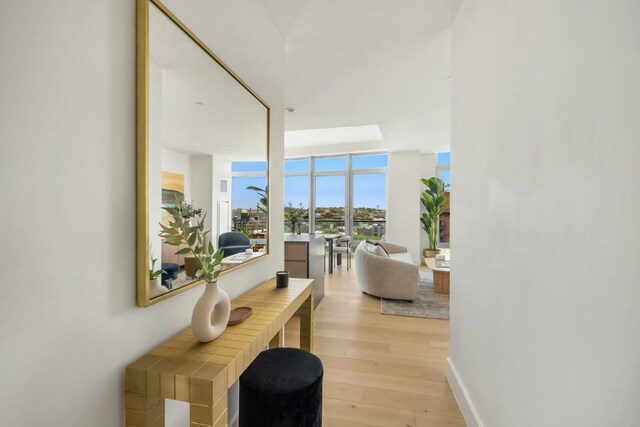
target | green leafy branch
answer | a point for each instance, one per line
(154, 274)
(263, 204)
(180, 232)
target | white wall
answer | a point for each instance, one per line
(178, 162)
(68, 320)
(403, 202)
(221, 170)
(202, 191)
(545, 325)
(155, 159)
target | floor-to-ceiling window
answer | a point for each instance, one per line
(248, 210)
(297, 190)
(330, 194)
(443, 169)
(369, 196)
(341, 194)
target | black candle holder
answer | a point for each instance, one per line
(282, 279)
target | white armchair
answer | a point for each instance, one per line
(392, 276)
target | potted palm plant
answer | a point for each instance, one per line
(434, 202)
(189, 234)
(294, 216)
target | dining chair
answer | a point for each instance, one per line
(343, 246)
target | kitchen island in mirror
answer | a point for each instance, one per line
(197, 123)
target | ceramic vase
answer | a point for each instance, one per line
(211, 313)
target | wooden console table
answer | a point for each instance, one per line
(184, 369)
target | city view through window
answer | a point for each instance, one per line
(249, 211)
(443, 169)
(346, 194)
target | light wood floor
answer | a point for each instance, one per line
(379, 370)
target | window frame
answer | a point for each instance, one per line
(348, 173)
(444, 167)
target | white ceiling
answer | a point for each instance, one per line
(346, 135)
(369, 62)
(203, 109)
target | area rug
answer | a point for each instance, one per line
(428, 304)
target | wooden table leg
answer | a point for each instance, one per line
(209, 416)
(441, 282)
(208, 398)
(144, 411)
(306, 324)
(277, 340)
(143, 406)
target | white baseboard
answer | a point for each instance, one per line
(467, 408)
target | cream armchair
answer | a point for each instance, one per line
(392, 276)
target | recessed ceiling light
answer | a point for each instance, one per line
(290, 109)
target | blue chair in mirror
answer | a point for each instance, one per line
(233, 243)
(170, 273)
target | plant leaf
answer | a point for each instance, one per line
(192, 239)
(174, 212)
(173, 240)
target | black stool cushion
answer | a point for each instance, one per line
(282, 388)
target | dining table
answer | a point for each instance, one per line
(331, 238)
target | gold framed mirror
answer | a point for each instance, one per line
(202, 137)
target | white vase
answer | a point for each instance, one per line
(211, 313)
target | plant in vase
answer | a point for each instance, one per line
(155, 277)
(434, 202)
(181, 232)
(294, 215)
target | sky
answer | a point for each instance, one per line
(243, 198)
(444, 175)
(369, 189)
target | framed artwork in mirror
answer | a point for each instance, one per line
(196, 120)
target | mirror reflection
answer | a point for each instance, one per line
(207, 154)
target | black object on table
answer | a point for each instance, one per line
(282, 279)
(282, 388)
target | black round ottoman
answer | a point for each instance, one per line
(282, 388)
